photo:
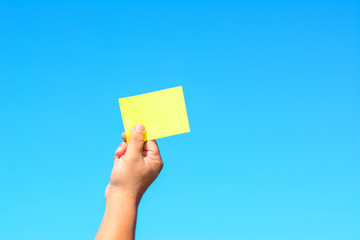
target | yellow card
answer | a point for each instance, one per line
(163, 113)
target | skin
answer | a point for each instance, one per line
(136, 165)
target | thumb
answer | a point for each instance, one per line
(136, 140)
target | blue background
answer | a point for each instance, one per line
(272, 94)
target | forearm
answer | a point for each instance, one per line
(119, 220)
(136, 166)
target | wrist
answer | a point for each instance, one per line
(117, 196)
(120, 216)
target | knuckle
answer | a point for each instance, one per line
(123, 145)
(159, 164)
(136, 140)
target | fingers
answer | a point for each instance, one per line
(123, 135)
(136, 141)
(121, 149)
(152, 146)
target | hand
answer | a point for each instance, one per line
(136, 166)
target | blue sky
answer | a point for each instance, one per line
(272, 94)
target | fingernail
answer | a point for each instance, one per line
(139, 128)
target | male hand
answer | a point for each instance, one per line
(136, 165)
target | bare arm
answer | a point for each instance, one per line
(136, 166)
(119, 219)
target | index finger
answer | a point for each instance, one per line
(151, 145)
(123, 135)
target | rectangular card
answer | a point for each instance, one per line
(163, 113)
